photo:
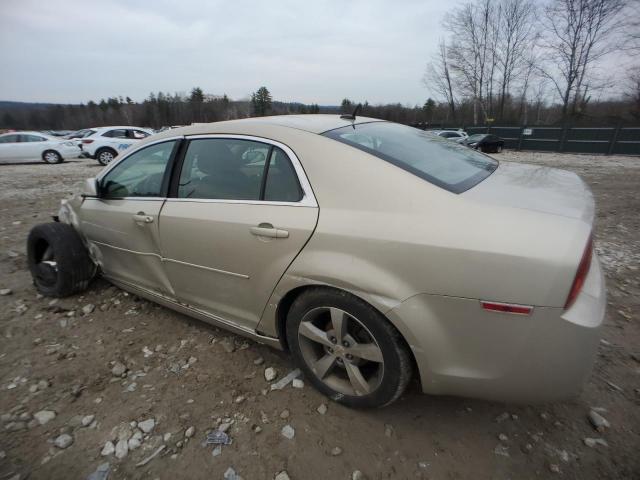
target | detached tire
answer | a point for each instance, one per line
(347, 349)
(58, 260)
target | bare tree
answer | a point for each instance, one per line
(578, 34)
(438, 77)
(470, 55)
(515, 45)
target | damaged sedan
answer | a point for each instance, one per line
(373, 252)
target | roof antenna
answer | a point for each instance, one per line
(352, 116)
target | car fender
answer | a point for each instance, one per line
(68, 214)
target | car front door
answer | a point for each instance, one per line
(122, 222)
(240, 213)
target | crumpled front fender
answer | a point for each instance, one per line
(68, 213)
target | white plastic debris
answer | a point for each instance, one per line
(286, 380)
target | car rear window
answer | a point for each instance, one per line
(447, 164)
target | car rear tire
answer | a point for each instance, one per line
(58, 260)
(499, 149)
(51, 156)
(347, 349)
(105, 156)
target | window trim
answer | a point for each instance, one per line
(308, 198)
(169, 172)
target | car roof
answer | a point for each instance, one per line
(319, 123)
(28, 132)
(114, 127)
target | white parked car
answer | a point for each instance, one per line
(105, 143)
(455, 135)
(30, 146)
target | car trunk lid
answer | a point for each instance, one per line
(537, 188)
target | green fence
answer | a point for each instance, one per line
(606, 140)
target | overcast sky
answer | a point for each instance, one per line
(314, 52)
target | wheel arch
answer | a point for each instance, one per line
(286, 301)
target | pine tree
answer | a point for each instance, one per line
(197, 96)
(261, 102)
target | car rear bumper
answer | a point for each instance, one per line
(461, 349)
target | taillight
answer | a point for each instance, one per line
(87, 140)
(581, 274)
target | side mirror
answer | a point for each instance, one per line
(90, 188)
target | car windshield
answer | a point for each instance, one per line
(446, 164)
(477, 137)
(81, 133)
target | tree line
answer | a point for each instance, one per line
(157, 110)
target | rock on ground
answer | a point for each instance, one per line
(288, 432)
(44, 416)
(147, 426)
(122, 448)
(108, 449)
(63, 441)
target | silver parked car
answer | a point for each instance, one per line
(371, 251)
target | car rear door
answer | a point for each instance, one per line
(118, 139)
(242, 210)
(122, 222)
(32, 146)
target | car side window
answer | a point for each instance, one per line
(282, 181)
(141, 174)
(119, 133)
(9, 139)
(223, 168)
(31, 138)
(138, 134)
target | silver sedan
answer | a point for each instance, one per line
(373, 252)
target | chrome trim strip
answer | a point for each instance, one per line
(164, 259)
(240, 202)
(308, 199)
(143, 199)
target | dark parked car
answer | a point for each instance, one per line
(484, 142)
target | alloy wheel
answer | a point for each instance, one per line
(105, 157)
(341, 351)
(51, 157)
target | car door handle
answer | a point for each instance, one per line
(267, 230)
(141, 217)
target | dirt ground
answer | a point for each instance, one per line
(183, 373)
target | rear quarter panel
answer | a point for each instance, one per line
(387, 235)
